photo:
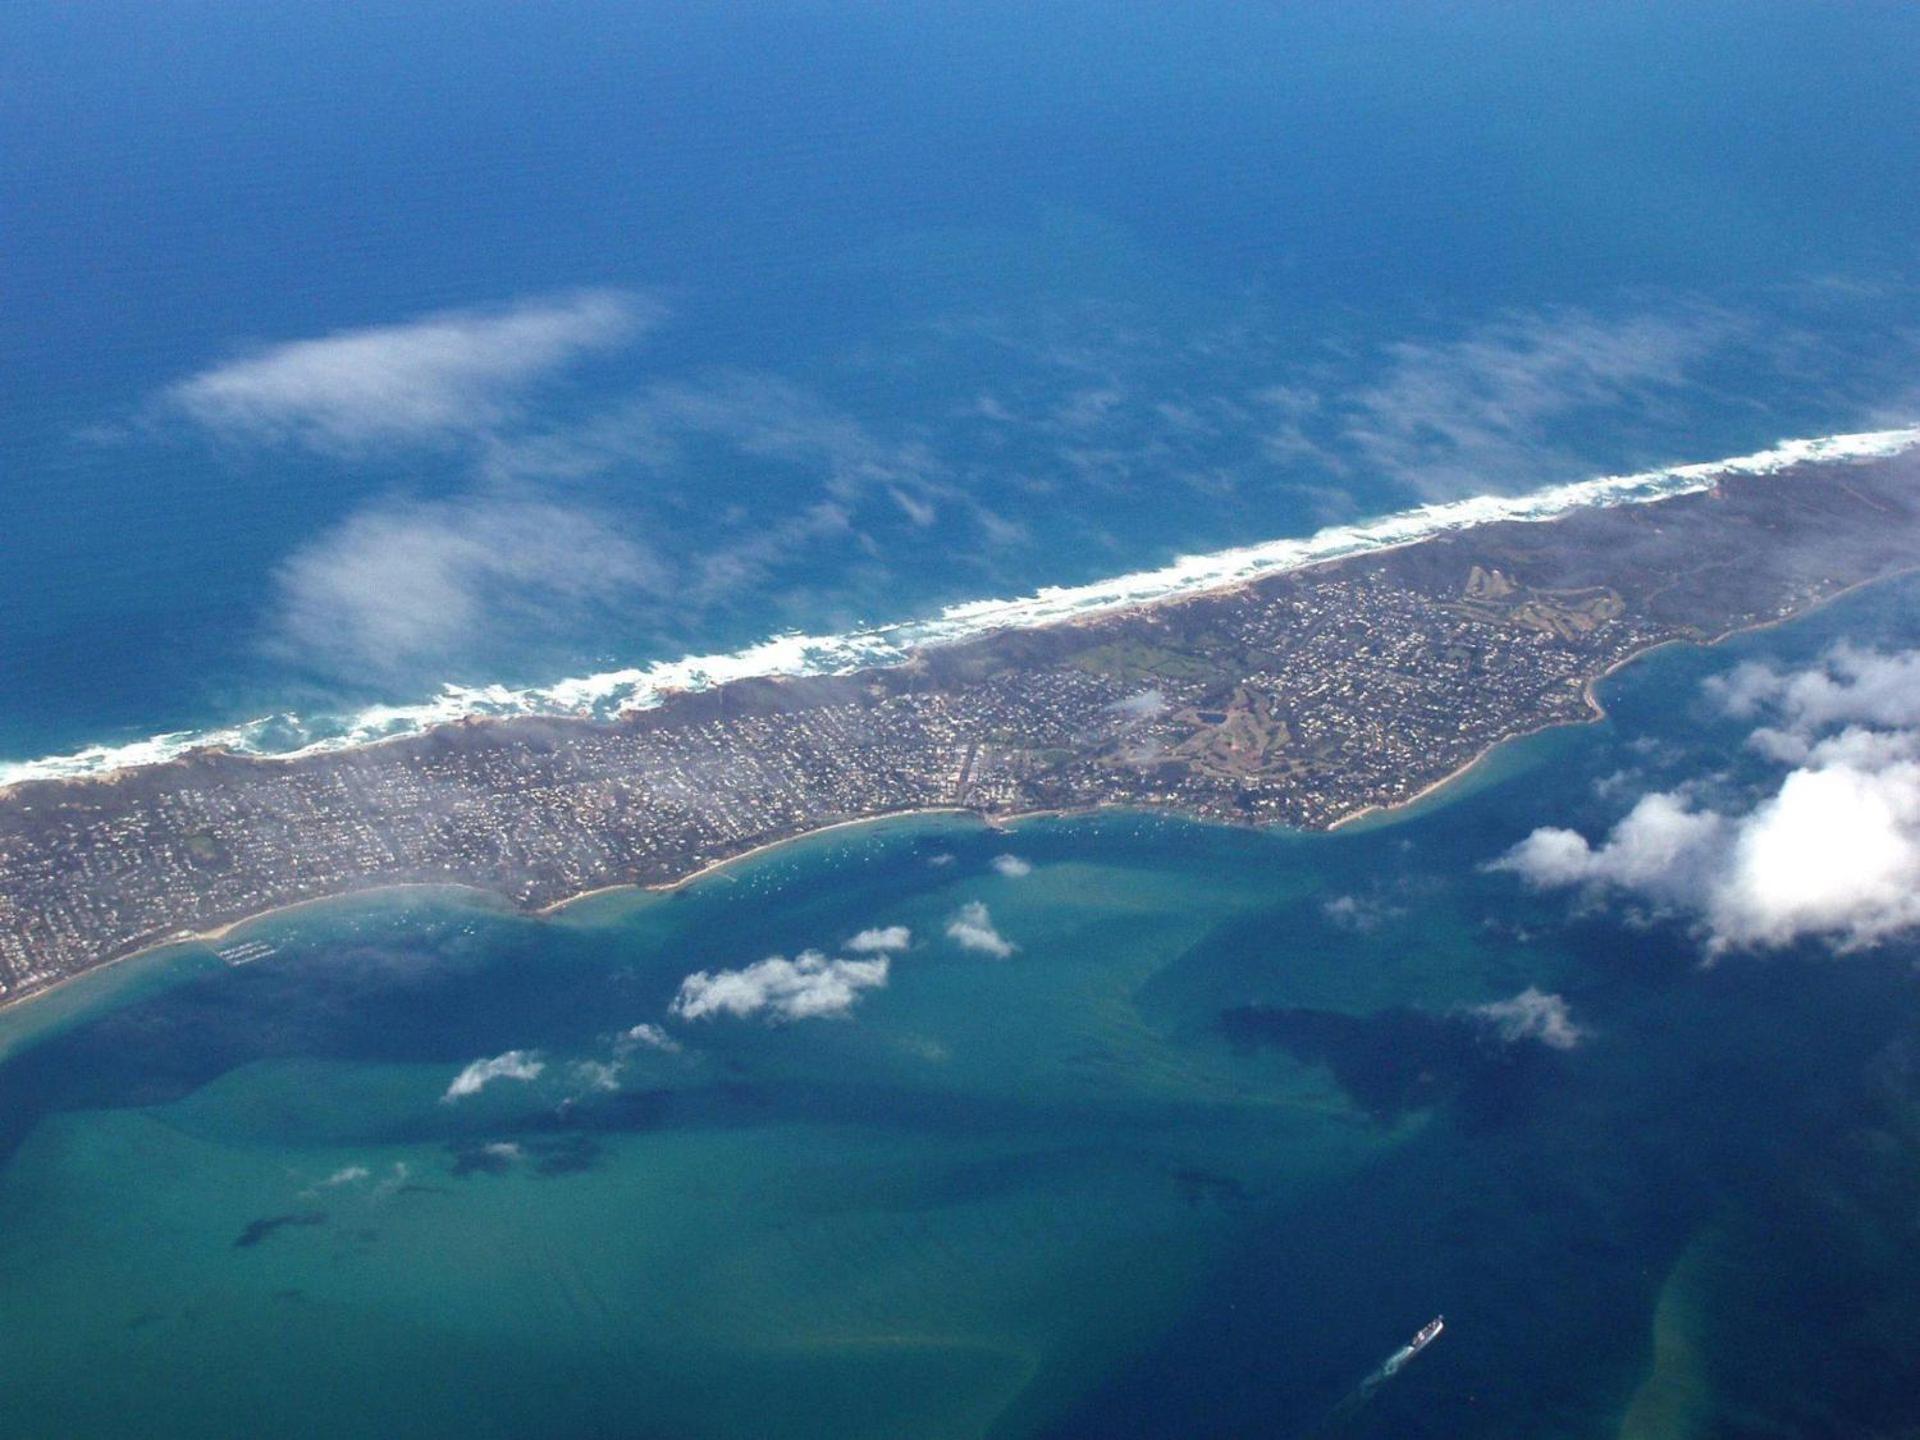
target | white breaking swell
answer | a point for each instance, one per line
(607, 694)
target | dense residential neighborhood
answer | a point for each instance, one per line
(1299, 701)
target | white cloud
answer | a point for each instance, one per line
(645, 1035)
(1836, 852)
(1659, 847)
(409, 585)
(809, 986)
(1848, 685)
(599, 1075)
(1358, 913)
(1533, 1015)
(457, 372)
(1012, 866)
(347, 1175)
(514, 1065)
(1833, 852)
(1142, 705)
(972, 928)
(921, 512)
(880, 940)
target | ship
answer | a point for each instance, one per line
(1345, 1411)
(1422, 1338)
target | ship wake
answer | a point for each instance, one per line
(1342, 1415)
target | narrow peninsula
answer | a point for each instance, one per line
(1300, 699)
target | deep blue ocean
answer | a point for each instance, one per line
(941, 302)
(350, 352)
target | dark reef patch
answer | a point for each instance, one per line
(567, 1154)
(1397, 1061)
(1199, 1187)
(258, 1230)
(470, 1159)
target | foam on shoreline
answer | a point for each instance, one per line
(607, 694)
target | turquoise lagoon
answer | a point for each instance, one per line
(1193, 1159)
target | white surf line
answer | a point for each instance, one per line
(643, 687)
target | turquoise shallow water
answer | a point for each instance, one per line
(1079, 1190)
(853, 1218)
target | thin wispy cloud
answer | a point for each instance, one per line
(1483, 404)
(441, 376)
(972, 928)
(1534, 1015)
(1360, 913)
(408, 585)
(1831, 853)
(601, 1076)
(808, 987)
(672, 426)
(522, 1065)
(821, 478)
(774, 419)
(1143, 705)
(593, 1076)
(645, 1036)
(1493, 409)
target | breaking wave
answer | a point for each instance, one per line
(607, 694)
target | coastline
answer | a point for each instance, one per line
(1186, 577)
(1590, 693)
(1395, 811)
(1597, 711)
(215, 934)
(714, 867)
(485, 898)
(1225, 587)
(495, 900)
